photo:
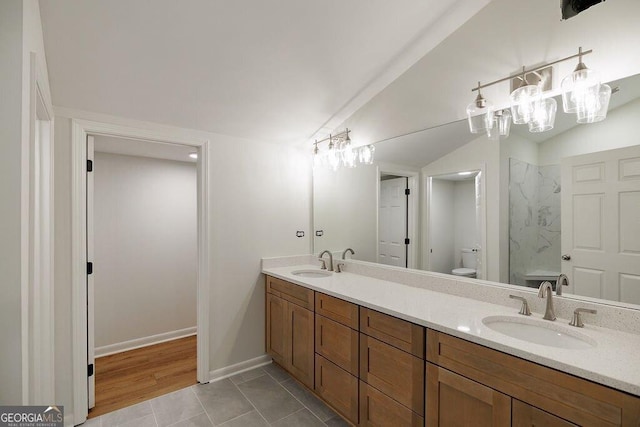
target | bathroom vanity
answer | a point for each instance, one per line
(384, 353)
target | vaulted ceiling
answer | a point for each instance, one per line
(278, 71)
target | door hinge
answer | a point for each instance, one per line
(407, 241)
(89, 165)
(90, 370)
(407, 191)
(89, 268)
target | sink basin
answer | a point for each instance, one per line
(541, 332)
(312, 273)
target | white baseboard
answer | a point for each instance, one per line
(144, 341)
(238, 368)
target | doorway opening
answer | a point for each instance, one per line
(142, 249)
(84, 368)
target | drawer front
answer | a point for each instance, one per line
(526, 416)
(338, 387)
(394, 372)
(574, 399)
(336, 309)
(397, 332)
(379, 410)
(338, 343)
(291, 292)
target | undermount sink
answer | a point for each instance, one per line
(311, 273)
(539, 332)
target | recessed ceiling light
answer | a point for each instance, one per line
(193, 155)
(465, 173)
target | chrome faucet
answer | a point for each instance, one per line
(561, 281)
(546, 290)
(324, 264)
(344, 254)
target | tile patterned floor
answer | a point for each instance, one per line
(266, 396)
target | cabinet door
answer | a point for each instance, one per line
(453, 400)
(300, 361)
(393, 372)
(379, 410)
(277, 322)
(338, 387)
(524, 415)
(338, 343)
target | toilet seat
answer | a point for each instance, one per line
(467, 272)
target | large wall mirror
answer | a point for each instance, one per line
(519, 211)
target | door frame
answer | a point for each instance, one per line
(80, 128)
(482, 220)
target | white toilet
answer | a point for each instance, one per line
(468, 264)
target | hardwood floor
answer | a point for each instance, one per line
(134, 376)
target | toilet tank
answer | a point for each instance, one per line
(468, 258)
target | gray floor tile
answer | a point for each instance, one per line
(222, 400)
(251, 419)
(337, 421)
(246, 376)
(177, 406)
(307, 398)
(123, 415)
(270, 398)
(201, 420)
(148, 421)
(276, 372)
(301, 418)
(93, 422)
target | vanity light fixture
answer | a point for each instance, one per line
(465, 173)
(341, 153)
(583, 94)
(193, 155)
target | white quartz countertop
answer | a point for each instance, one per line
(614, 361)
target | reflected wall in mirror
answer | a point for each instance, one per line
(535, 185)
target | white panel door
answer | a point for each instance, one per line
(601, 224)
(91, 381)
(392, 222)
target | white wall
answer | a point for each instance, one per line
(480, 153)
(441, 226)
(346, 209)
(464, 214)
(260, 194)
(145, 264)
(20, 35)
(620, 129)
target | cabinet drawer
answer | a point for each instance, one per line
(338, 343)
(338, 387)
(524, 415)
(392, 371)
(574, 399)
(397, 332)
(379, 410)
(290, 292)
(336, 309)
(453, 400)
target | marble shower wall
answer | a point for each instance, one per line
(534, 220)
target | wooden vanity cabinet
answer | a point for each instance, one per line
(336, 346)
(290, 328)
(538, 392)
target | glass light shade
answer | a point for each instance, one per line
(493, 133)
(365, 154)
(480, 116)
(544, 115)
(598, 108)
(333, 158)
(522, 103)
(349, 155)
(579, 89)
